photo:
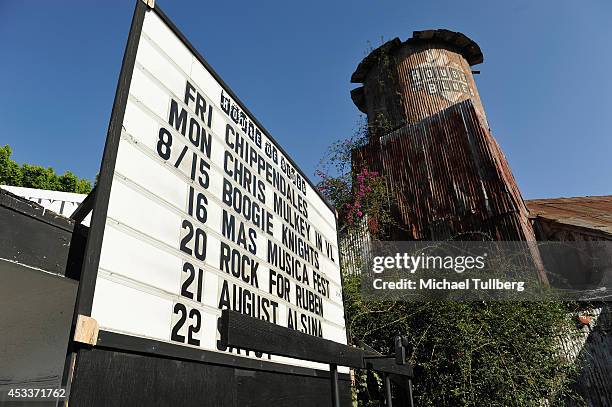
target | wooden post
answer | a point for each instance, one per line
(388, 396)
(409, 391)
(335, 391)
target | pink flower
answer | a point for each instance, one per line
(359, 213)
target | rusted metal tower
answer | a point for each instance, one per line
(429, 137)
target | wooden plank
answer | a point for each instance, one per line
(112, 378)
(126, 343)
(35, 324)
(256, 388)
(36, 237)
(84, 208)
(107, 378)
(86, 330)
(395, 373)
(389, 366)
(242, 331)
(34, 210)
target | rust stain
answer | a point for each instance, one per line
(448, 176)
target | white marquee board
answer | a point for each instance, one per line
(206, 213)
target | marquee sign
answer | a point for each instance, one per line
(198, 210)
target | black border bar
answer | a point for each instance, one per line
(134, 344)
(245, 332)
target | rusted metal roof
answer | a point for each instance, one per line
(592, 212)
(455, 40)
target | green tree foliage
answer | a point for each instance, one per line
(35, 176)
(10, 172)
(464, 353)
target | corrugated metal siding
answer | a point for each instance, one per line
(355, 247)
(448, 176)
(592, 346)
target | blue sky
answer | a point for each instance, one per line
(546, 82)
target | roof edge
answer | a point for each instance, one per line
(468, 48)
